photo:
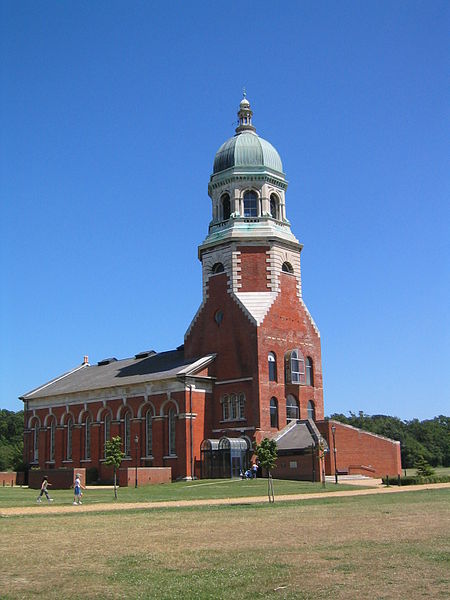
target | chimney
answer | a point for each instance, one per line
(85, 360)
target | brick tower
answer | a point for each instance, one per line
(268, 363)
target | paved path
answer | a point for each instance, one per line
(61, 509)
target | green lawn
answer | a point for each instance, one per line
(381, 547)
(438, 470)
(181, 490)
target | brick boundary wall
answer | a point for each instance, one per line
(60, 479)
(145, 476)
(11, 478)
(360, 452)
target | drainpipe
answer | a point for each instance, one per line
(191, 437)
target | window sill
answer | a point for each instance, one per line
(67, 461)
(233, 421)
(86, 460)
(170, 456)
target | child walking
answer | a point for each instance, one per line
(77, 493)
(44, 486)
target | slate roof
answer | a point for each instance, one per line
(159, 366)
(297, 435)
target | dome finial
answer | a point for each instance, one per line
(245, 115)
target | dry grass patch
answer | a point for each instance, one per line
(390, 546)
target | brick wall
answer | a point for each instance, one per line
(60, 479)
(253, 268)
(145, 475)
(360, 452)
(302, 467)
(11, 478)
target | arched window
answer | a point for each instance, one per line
(172, 434)
(287, 268)
(51, 449)
(241, 406)
(106, 429)
(69, 425)
(272, 360)
(225, 408)
(148, 433)
(274, 204)
(250, 204)
(217, 268)
(292, 410)
(309, 371)
(127, 433)
(274, 412)
(87, 438)
(226, 207)
(35, 436)
(311, 410)
(295, 367)
(233, 407)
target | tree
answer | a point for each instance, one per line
(423, 468)
(267, 454)
(114, 456)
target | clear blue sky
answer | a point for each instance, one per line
(111, 113)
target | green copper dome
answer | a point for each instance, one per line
(246, 149)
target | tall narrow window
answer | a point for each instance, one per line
(148, 433)
(274, 412)
(225, 408)
(295, 367)
(127, 433)
(226, 207)
(69, 438)
(241, 406)
(272, 366)
(172, 433)
(107, 429)
(234, 407)
(36, 441)
(87, 438)
(274, 206)
(309, 371)
(51, 454)
(292, 410)
(311, 411)
(250, 204)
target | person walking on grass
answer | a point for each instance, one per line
(77, 493)
(43, 491)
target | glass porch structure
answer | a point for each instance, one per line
(226, 457)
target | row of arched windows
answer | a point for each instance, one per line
(86, 427)
(292, 410)
(297, 368)
(233, 407)
(251, 205)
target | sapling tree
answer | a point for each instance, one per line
(114, 456)
(423, 468)
(267, 454)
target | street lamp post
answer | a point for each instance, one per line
(136, 441)
(333, 431)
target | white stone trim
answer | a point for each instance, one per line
(224, 381)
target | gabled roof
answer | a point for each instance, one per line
(296, 436)
(156, 367)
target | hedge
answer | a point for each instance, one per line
(416, 480)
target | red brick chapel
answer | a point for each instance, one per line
(249, 368)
